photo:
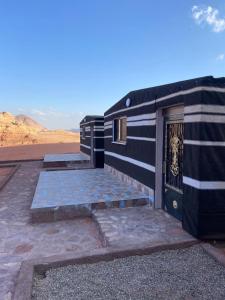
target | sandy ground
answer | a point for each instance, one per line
(25, 152)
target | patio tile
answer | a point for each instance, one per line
(139, 226)
(90, 189)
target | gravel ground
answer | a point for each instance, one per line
(178, 274)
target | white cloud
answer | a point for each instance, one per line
(220, 57)
(208, 15)
(48, 112)
(38, 112)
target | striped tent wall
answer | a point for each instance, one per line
(94, 135)
(204, 165)
(204, 146)
(137, 157)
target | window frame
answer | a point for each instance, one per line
(117, 131)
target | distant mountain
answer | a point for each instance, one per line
(21, 129)
(29, 122)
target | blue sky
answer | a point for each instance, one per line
(62, 59)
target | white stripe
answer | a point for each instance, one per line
(85, 146)
(142, 117)
(141, 123)
(108, 136)
(108, 123)
(100, 121)
(99, 150)
(203, 108)
(204, 185)
(204, 118)
(132, 161)
(98, 127)
(95, 137)
(140, 138)
(204, 143)
(185, 92)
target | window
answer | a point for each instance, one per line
(83, 132)
(120, 130)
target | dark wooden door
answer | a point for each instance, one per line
(173, 166)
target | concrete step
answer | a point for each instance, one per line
(139, 226)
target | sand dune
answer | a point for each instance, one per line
(23, 130)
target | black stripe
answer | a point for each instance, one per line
(142, 131)
(190, 218)
(99, 159)
(204, 212)
(212, 201)
(140, 150)
(204, 113)
(99, 143)
(99, 133)
(204, 131)
(131, 113)
(135, 121)
(98, 123)
(212, 225)
(204, 163)
(142, 175)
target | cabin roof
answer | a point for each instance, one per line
(151, 93)
(89, 118)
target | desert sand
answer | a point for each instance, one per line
(33, 152)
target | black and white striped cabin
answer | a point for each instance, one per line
(92, 139)
(170, 140)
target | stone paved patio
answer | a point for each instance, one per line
(20, 240)
(140, 226)
(81, 191)
(4, 172)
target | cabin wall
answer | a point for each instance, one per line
(204, 172)
(85, 143)
(97, 127)
(136, 158)
(99, 144)
(204, 153)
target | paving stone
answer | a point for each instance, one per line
(20, 240)
(139, 226)
(23, 248)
